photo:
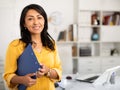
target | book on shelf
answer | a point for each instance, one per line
(110, 22)
(116, 18)
(107, 19)
(85, 51)
(74, 50)
(62, 36)
(72, 32)
(113, 19)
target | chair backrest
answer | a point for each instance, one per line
(65, 53)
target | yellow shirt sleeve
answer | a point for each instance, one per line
(57, 66)
(11, 62)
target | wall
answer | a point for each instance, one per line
(10, 12)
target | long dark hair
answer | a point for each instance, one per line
(47, 40)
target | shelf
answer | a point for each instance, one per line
(98, 39)
(101, 18)
(92, 26)
(67, 42)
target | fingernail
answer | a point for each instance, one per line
(38, 68)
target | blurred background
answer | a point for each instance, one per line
(87, 32)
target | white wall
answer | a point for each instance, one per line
(9, 18)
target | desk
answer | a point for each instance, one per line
(78, 85)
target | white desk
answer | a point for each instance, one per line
(77, 85)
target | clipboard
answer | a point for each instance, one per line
(27, 63)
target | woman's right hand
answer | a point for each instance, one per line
(28, 81)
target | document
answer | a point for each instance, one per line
(27, 63)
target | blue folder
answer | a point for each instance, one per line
(27, 63)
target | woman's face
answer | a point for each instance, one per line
(34, 22)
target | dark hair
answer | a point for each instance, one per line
(47, 40)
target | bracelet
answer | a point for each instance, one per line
(48, 73)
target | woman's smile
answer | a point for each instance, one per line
(36, 27)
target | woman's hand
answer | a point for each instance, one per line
(42, 71)
(45, 71)
(28, 81)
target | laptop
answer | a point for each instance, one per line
(106, 77)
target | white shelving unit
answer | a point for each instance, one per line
(95, 55)
(108, 41)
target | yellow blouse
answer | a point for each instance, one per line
(47, 57)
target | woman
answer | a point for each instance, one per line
(33, 26)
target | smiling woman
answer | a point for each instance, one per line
(34, 22)
(33, 27)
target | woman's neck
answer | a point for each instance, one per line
(36, 42)
(36, 39)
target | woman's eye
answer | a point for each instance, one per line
(29, 19)
(39, 17)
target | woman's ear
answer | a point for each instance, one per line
(25, 26)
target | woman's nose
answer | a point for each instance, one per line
(36, 21)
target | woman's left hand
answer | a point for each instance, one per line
(42, 71)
